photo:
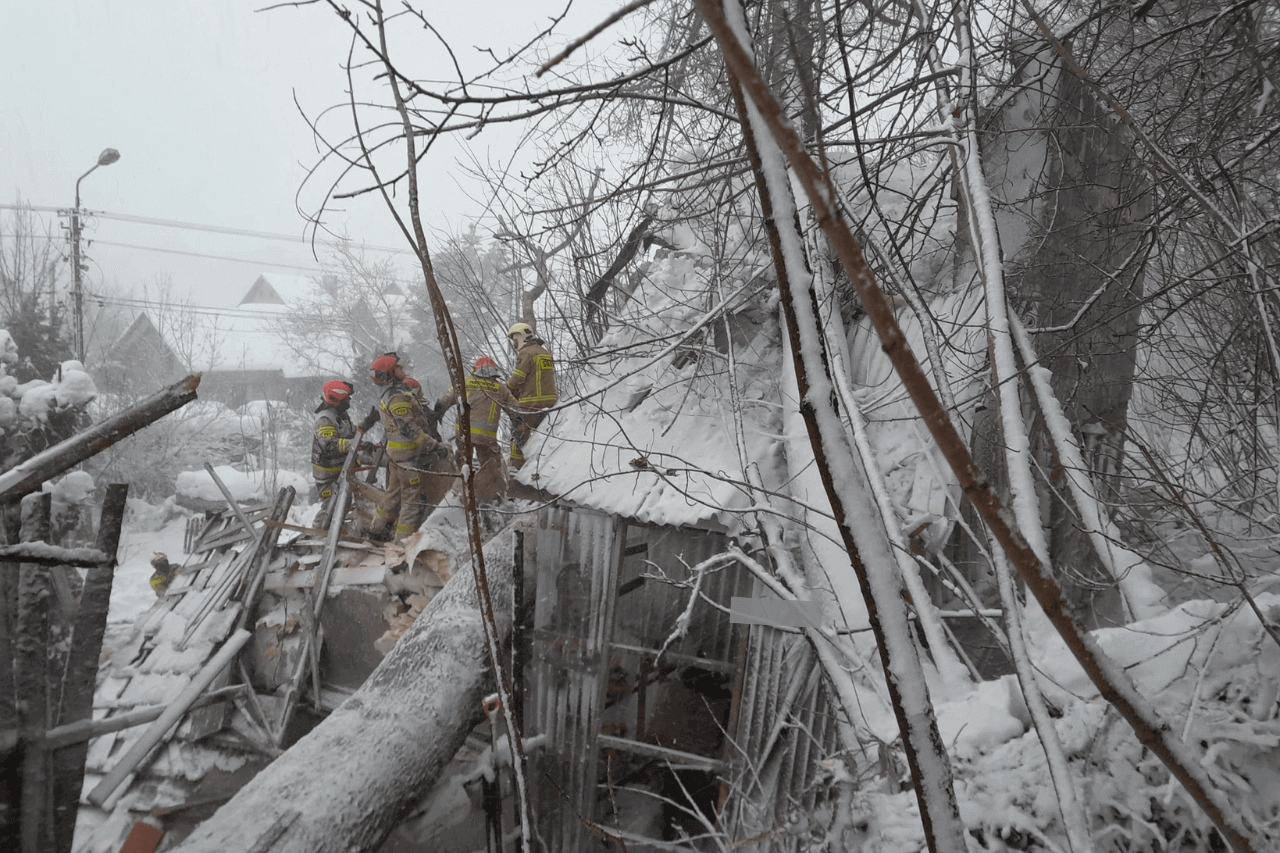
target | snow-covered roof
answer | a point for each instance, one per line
(254, 335)
(652, 436)
(277, 289)
(251, 340)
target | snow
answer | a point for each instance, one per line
(73, 386)
(37, 400)
(143, 535)
(75, 488)
(244, 486)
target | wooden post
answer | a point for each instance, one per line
(31, 680)
(262, 554)
(81, 675)
(9, 775)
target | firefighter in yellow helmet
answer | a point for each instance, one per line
(533, 383)
(330, 442)
(413, 454)
(488, 398)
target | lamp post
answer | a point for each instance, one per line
(106, 158)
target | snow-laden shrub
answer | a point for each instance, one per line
(76, 488)
(8, 348)
(37, 414)
(260, 437)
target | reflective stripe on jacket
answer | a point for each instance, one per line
(487, 399)
(533, 382)
(404, 423)
(330, 442)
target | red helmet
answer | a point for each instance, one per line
(336, 391)
(485, 367)
(383, 368)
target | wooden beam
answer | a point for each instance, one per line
(84, 730)
(677, 759)
(9, 787)
(26, 477)
(166, 720)
(44, 554)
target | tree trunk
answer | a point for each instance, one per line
(1073, 209)
(343, 786)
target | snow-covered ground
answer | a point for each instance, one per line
(141, 538)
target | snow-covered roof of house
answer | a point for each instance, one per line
(651, 435)
(278, 289)
(256, 335)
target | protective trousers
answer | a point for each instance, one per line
(521, 428)
(401, 509)
(491, 474)
(328, 490)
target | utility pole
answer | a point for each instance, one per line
(106, 158)
(78, 293)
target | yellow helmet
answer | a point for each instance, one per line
(520, 329)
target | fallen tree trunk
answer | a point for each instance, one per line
(26, 477)
(344, 785)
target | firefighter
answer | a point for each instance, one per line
(330, 442)
(433, 420)
(413, 455)
(163, 573)
(532, 383)
(488, 399)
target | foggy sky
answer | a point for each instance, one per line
(198, 98)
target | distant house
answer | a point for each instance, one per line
(139, 362)
(249, 352)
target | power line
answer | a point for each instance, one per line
(316, 270)
(58, 238)
(196, 226)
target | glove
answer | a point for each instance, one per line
(369, 420)
(439, 410)
(366, 447)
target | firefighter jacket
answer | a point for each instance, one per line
(330, 442)
(488, 398)
(405, 425)
(533, 382)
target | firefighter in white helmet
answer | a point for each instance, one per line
(532, 383)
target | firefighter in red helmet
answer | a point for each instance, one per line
(487, 398)
(330, 442)
(533, 383)
(415, 456)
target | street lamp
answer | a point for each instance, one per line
(106, 158)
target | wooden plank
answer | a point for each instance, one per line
(172, 714)
(84, 730)
(359, 575)
(222, 540)
(210, 718)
